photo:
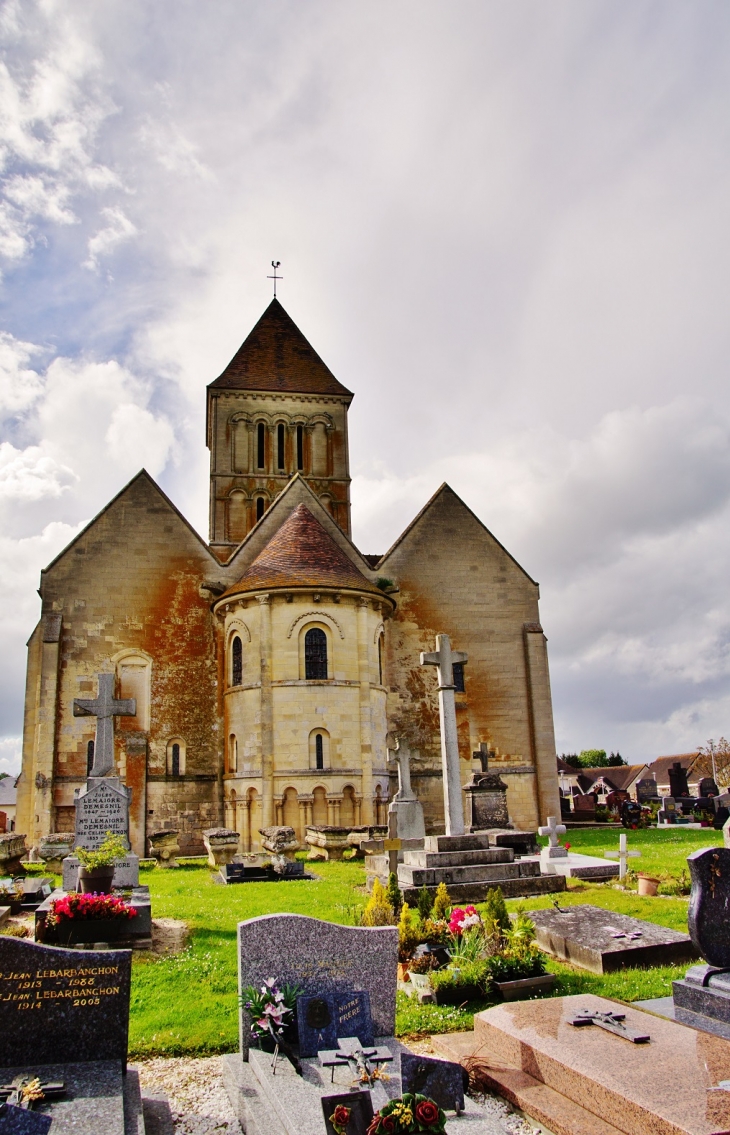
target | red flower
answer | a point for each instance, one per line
(566, 846)
(340, 1118)
(382, 1125)
(75, 907)
(427, 1112)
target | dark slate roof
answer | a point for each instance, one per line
(8, 791)
(276, 356)
(621, 777)
(302, 554)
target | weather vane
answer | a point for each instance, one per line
(275, 264)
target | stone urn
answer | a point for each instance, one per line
(280, 841)
(327, 842)
(357, 835)
(12, 850)
(54, 848)
(164, 847)
(221, 845)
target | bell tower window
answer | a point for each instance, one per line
(459, 678)
(280, 454)
(236, 662)
(319, 751)
(260, 506)
(261, 446)
(300, 447)
(315, 654)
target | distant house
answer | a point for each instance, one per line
(8, 794)
(603, 781)
(659, 771)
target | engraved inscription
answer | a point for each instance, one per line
(80, 987)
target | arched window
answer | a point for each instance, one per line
(233, 753)
(319, 751)
(300, 447)
(236, 661)
(89, 757)
(380, 659)
(280, 454)
(260, 506)
(315, 654)
(261, 446)
(175, 759)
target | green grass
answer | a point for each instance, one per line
(187, 1004)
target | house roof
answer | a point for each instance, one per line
(8, 791)
(659, 768)
(302, 554)
(276, 356)
(620, 777)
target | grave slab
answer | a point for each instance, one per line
(321, 957)
(602, 941)
(669, 1086)
(572, 865)
(441, 1080)
(94, 1100)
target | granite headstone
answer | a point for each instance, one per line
(646, 790)
(354, 1017)
(708, 787)
(322, 958)
(441, 1080)
(603, 941)
(19, 1121)
(709, 903)
(55, 1001)
(360, 1105)
(678, 785)
(101, 807)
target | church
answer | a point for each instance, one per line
(275, 666)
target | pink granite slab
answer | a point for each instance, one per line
(666, 1087)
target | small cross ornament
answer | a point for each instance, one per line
(611, 1022)
(623, 855)
(552, 831)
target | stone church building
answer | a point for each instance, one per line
(273, 667)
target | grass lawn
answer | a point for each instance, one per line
(187, 1003)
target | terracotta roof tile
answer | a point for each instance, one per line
(276, 356)
(302, 554)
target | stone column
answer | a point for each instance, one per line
(279, 808)
(542, 733)
(337, 802)
(330, 811)
(358, 811)
(246, 809)
(366, 722)
(302, 818)
(443, 658)
(267, 714)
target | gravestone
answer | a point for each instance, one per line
(707, 787)
(703, 993)
(602, 941)
(646, 790)
(405, 804)
(18, 1121)
(359, 1106)
(441, 1080)
(323, 959)
(316, 1023)
(584, 807)
(668, 810)
(678, 785)
(553, 850)
(486, 797)
(444, 658)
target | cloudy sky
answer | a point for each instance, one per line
(504, 225)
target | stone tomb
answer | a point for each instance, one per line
(589, 1081)
(56, 1002)
(470, 865)
(603, 942)
(102, 806)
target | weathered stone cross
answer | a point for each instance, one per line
(105, 707)
(444, 658)
(402, 755)
(623, 855)
(482, 755)
(552, 831)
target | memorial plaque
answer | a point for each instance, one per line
(103, 806)
(354, 1017)
(441, 1080)
(360, 1108)
(316, 1023)
(54, 1000)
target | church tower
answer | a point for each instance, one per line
(276, 410)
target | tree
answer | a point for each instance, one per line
(616, 759)
(714, 761)
(571, 759)
(593, 758)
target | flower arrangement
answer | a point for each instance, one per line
(340, 1118)
(271, 1008)
(462, 920)
(106, 855)
(408, 1115)
(75, 907)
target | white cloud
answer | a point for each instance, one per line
(118, 229)
(30, 475)
(19, 385)
(11, 751)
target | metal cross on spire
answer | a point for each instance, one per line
(275, 264)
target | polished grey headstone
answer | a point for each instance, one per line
(603, 941)
(95, 1097)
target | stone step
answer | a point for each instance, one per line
(457, 858)
(252, 1111)
(546, 1105)
(477, 892)
(476, 842)
(476, 873)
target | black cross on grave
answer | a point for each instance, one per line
(359, 1059)
(611, 1022)
(482, 755)
(26, 1090)
(105, 707)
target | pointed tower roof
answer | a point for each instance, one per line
(276, 356)
(302, 554)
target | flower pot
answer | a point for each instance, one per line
(96, 880)
(458, 994)
(524, 987)
(403, 971)
(647, 885)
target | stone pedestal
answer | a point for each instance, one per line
(12, 851)
(280, 840)
(221, 845)
(359, 835)
(327, 842)
(126, 872)
(469, 867)
(54, 848)
(486, 802)
(164, 847)
(409, 818)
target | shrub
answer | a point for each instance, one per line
(436, 932)
(424, 963)
(456, 985)
(378, 911)
(495, 908)
(408, 934)
(441, 904)
(108, 852)
(508, 967)
(424, 903)
(392, 893)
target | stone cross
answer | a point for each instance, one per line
(552, 831)
(482, 755)
(611, 1022)
(402, 756)
(444, 658)
(392, 844)
(623, 855)
(105, 707)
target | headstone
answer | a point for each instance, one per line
(441, 1080)
(602, 941)
(359, 1107)
(623, 855)
(707, 787)
(678, 785)
(584, 807)
(444, 658)
(553, 831)
(322, 958)
(646, 790)
(630, 814)
(55, 1001)
(354, 1017)
(486, 796)
(19, 1121)
(702, 992)
(405, 804)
